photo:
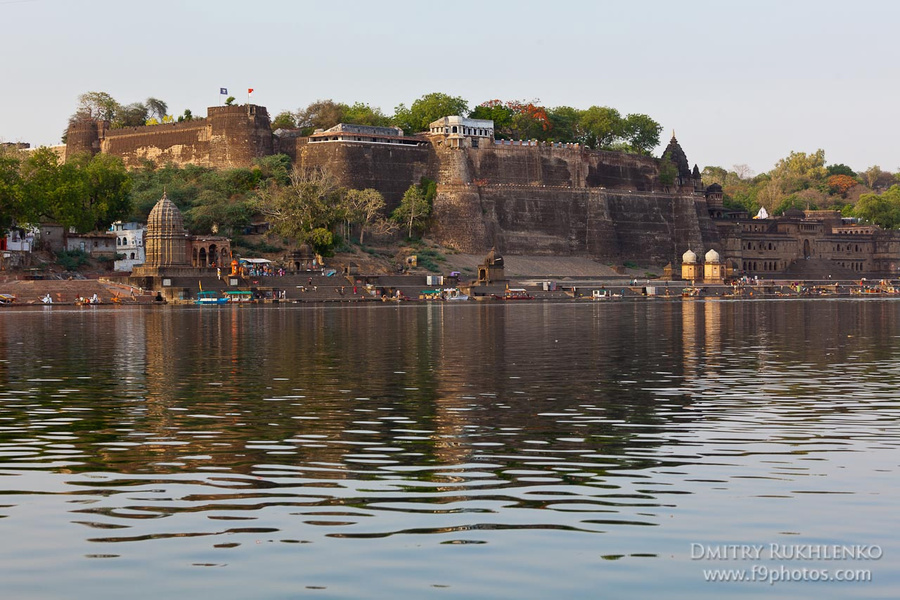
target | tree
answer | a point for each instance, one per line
(107, 188)
(565, 124)
(311, 201)
(10, 187)
(840, 169)
(414, 209)
(133, 115)
(841, 184)
(711, 175)
(881, 209)
(667, 172)
(742, 171)
(87, 193)
(229, 100)
(641, 133)
(364, 208)
(284, 120)
(602, 126)
(876, 178)
(799, 165)
(427, 109)
(362, 114)
(321, 114)
(98, 105)
(497, 112)
(156, 108)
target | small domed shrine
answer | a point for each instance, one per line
(690, 270)
(713, 269)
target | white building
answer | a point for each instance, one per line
(460, 132)
(130, 244)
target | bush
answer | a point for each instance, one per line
(71, 260)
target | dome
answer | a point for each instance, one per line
(689, 258)
(712, 257)
(714, 189)
(165, 218)
(165, 240)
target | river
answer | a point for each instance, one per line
(456, 450)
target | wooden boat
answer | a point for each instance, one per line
(515, 294)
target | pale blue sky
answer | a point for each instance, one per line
(739, 82)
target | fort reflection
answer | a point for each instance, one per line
(164, 389)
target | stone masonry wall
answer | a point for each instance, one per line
(230, 136)
(184, 143)
(563, 201)
(388, 169)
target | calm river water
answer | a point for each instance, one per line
(530, 450)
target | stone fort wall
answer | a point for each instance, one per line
(553, 199)
(544, 199)
(230, 136)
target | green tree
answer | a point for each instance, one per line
(104, 187)
(497, 112)
(363, 114)
(840, 169)
(667, 172)
(427, 109)
(565, 124)
(799, 165)
(602, 126)
(53, 189)
(10, 187)
(881, 209)
(229, 100)
(414, 209)
(284, 120)
(641, 133)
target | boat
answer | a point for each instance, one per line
(205, 298)
(515, 294)
(238, 296)
(453, 295)
(604, 295)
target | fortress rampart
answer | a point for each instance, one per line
(230, 136)
(522, 197)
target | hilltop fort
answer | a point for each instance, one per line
(522, 197)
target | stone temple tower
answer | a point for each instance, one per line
(166, 238)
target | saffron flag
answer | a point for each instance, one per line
(250, 91)
(223, 91)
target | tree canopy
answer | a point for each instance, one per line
(427, 109)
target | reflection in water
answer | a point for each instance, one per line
(528, 450)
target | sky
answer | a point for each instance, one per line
(738, 82)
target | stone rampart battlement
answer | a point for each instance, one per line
(161, 129)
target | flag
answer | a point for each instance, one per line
(250, 91)
(223, 91)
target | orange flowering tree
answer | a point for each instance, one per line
(841, 184)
